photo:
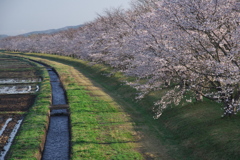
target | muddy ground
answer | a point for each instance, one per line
(16, 102)
(5, 135)
(12, 106)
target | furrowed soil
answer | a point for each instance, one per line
(16, 102)
(11, 106)
(14, 106)
(5, 135)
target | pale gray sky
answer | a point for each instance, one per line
(22, 16)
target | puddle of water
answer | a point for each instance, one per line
(5, 125)
(10, 140)
(19, 80)
(18, 89)
(18, 85)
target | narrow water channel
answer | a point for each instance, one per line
(57, 141)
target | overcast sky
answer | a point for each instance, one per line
(22, 16)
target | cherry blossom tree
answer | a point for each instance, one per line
(204, 50)
(187, 47)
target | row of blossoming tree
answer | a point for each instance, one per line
(187, 46)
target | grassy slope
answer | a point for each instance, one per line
(193, 131)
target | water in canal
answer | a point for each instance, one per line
(57, 141)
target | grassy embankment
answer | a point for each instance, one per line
(192, 131)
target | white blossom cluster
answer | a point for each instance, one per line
(183, 45)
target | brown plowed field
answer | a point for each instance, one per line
(5, 135)
(14, 105)
(12, 74)
(16, 102)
